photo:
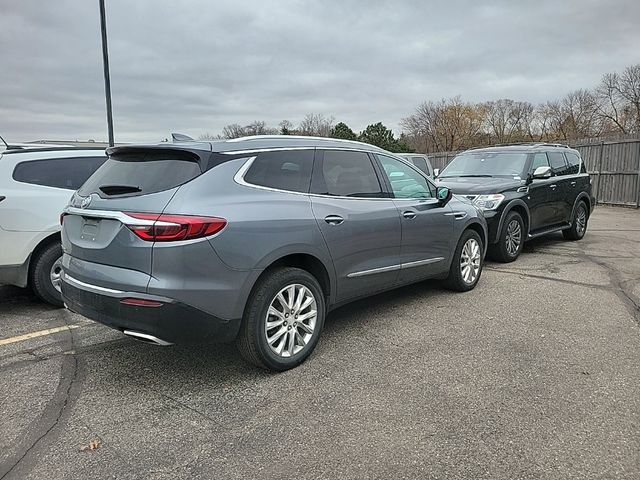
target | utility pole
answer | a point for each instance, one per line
(105, 64)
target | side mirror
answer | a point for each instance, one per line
(436, 172)
(443, 194)
(542, 172)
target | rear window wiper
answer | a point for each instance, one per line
(119, 189)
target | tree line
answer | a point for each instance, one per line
(318, 125)
(610, 108)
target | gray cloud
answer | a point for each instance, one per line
(197, 66)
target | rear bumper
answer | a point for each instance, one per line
(172, 322)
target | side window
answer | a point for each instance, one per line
(539, 160)
(346, 174)
(67, 173)
(421, 163)
(405, 181)
(284, 170)
(574, 163)
(558, 163)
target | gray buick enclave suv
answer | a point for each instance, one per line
(256, 239)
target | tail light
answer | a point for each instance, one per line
(155, 227)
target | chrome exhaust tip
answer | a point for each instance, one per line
(145, 337)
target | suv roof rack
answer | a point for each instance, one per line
(294, 137)
(523, 144)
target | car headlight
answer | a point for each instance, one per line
(488, 202)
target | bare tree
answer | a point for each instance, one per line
(209, 136)
(259, 128)
(506, 120)
(316, 124)
(630, 92)
(611, 107)
(449, 124)
(286, 127)
(233, 131)
(575, 115)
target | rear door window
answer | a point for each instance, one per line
(67, 173)
(141, 173)
(282, 170)
(558, 163)
(345, 174)
(421, 163)
(574, 163)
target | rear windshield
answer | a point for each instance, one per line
(139, 174)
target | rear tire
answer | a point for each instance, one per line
(510, 240)
(579, 225)
(272, 336)
(468, 254)
(45, 268)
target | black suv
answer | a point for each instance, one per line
(525, 191)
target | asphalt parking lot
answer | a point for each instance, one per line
(534, 374)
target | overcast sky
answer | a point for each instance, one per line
(195, 66)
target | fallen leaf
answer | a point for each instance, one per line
(93, 445)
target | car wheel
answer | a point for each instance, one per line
(579, 227)
(511, 239)
(45, 274)
(283, 320)
(466, 266)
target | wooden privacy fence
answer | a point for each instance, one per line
(614, 167)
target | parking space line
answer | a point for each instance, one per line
(40, 333)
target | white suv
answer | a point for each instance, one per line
(35, 186)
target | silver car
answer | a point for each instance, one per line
(254, 240)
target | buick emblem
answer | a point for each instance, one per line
(86, 201)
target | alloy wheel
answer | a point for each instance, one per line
(56, 274)
(581, 221)
(291, 320)
(513, 237)
(470, 261)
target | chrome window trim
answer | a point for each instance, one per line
(239, 176)
(418, 200)
(239, 179)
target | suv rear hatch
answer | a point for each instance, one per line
(108, 225)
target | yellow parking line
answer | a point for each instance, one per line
(41, 333)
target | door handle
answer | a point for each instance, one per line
(333, 219)
(409, 214)
(573, 184)
(553, 186)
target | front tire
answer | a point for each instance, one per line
(511, 239)
(45, 273)
(579, 226)
(466, 266)
(283, 320)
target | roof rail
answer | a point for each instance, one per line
(296, 137)
(524, 144)
(552, 145)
